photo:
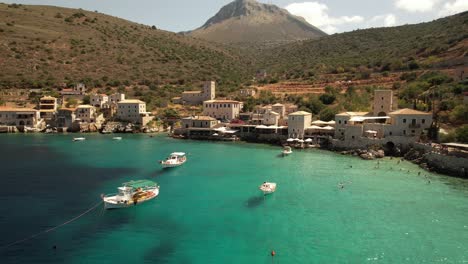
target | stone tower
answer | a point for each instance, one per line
(383, 102)
(209, 90)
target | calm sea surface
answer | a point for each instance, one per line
(210, 210)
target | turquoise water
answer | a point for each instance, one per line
(210, 210)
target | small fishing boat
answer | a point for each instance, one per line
(79, 139)
(286, 151)
(174, 160)
(131, 193)
(117, 138)
(268, 187)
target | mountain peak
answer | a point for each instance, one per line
(251, 21)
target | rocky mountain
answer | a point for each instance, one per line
(248, 21)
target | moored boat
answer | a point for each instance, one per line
(79, 139)
(131, 193)
(117, 138)
(268, 187)
(286, 151)
(174, 160)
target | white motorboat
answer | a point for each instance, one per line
(268, 187)
(174, 160)
(286, 151)
(131, 194)
(117, 138)
(79, 139)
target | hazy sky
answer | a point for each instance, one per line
(329, 15)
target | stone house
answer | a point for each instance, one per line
(198, 97)
(222, 109)
(298, 122)
(133, 111)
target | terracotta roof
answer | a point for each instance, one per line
(407, 111)
(222, 102)
(300, 113)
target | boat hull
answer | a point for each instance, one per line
(268, 189)
(171, 165)
(112, 203)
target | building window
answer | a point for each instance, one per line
(423, 121)
(404, 121)
(345, 122)
(391, 133)
(339, 122)
(412, 131)
(404, 132)
(352, 137)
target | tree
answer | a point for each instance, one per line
(462, 134)
(71, 102)
(86, 99)
(328, 114)
(459, 114)
(327, 98)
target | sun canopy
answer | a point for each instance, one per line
(319, 122)
(301, 141)
(290, 140)
(315, 127)
(266, 127)
(364, 118)
(140, 184)
(178, 154)
(308, 140)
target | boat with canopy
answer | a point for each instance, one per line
(131, 193)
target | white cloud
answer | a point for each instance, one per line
(414, 6)
(390, 20)
(317, 14)
(387, 20)
(454, 7)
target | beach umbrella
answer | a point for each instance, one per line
(301, 141)
(296, 139)
(290, 140)
(308, 140)
(215, 134)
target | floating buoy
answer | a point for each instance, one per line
(273, 253)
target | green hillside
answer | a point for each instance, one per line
(43, 46)
(438, 43)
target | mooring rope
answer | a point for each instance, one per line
(52, 228)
